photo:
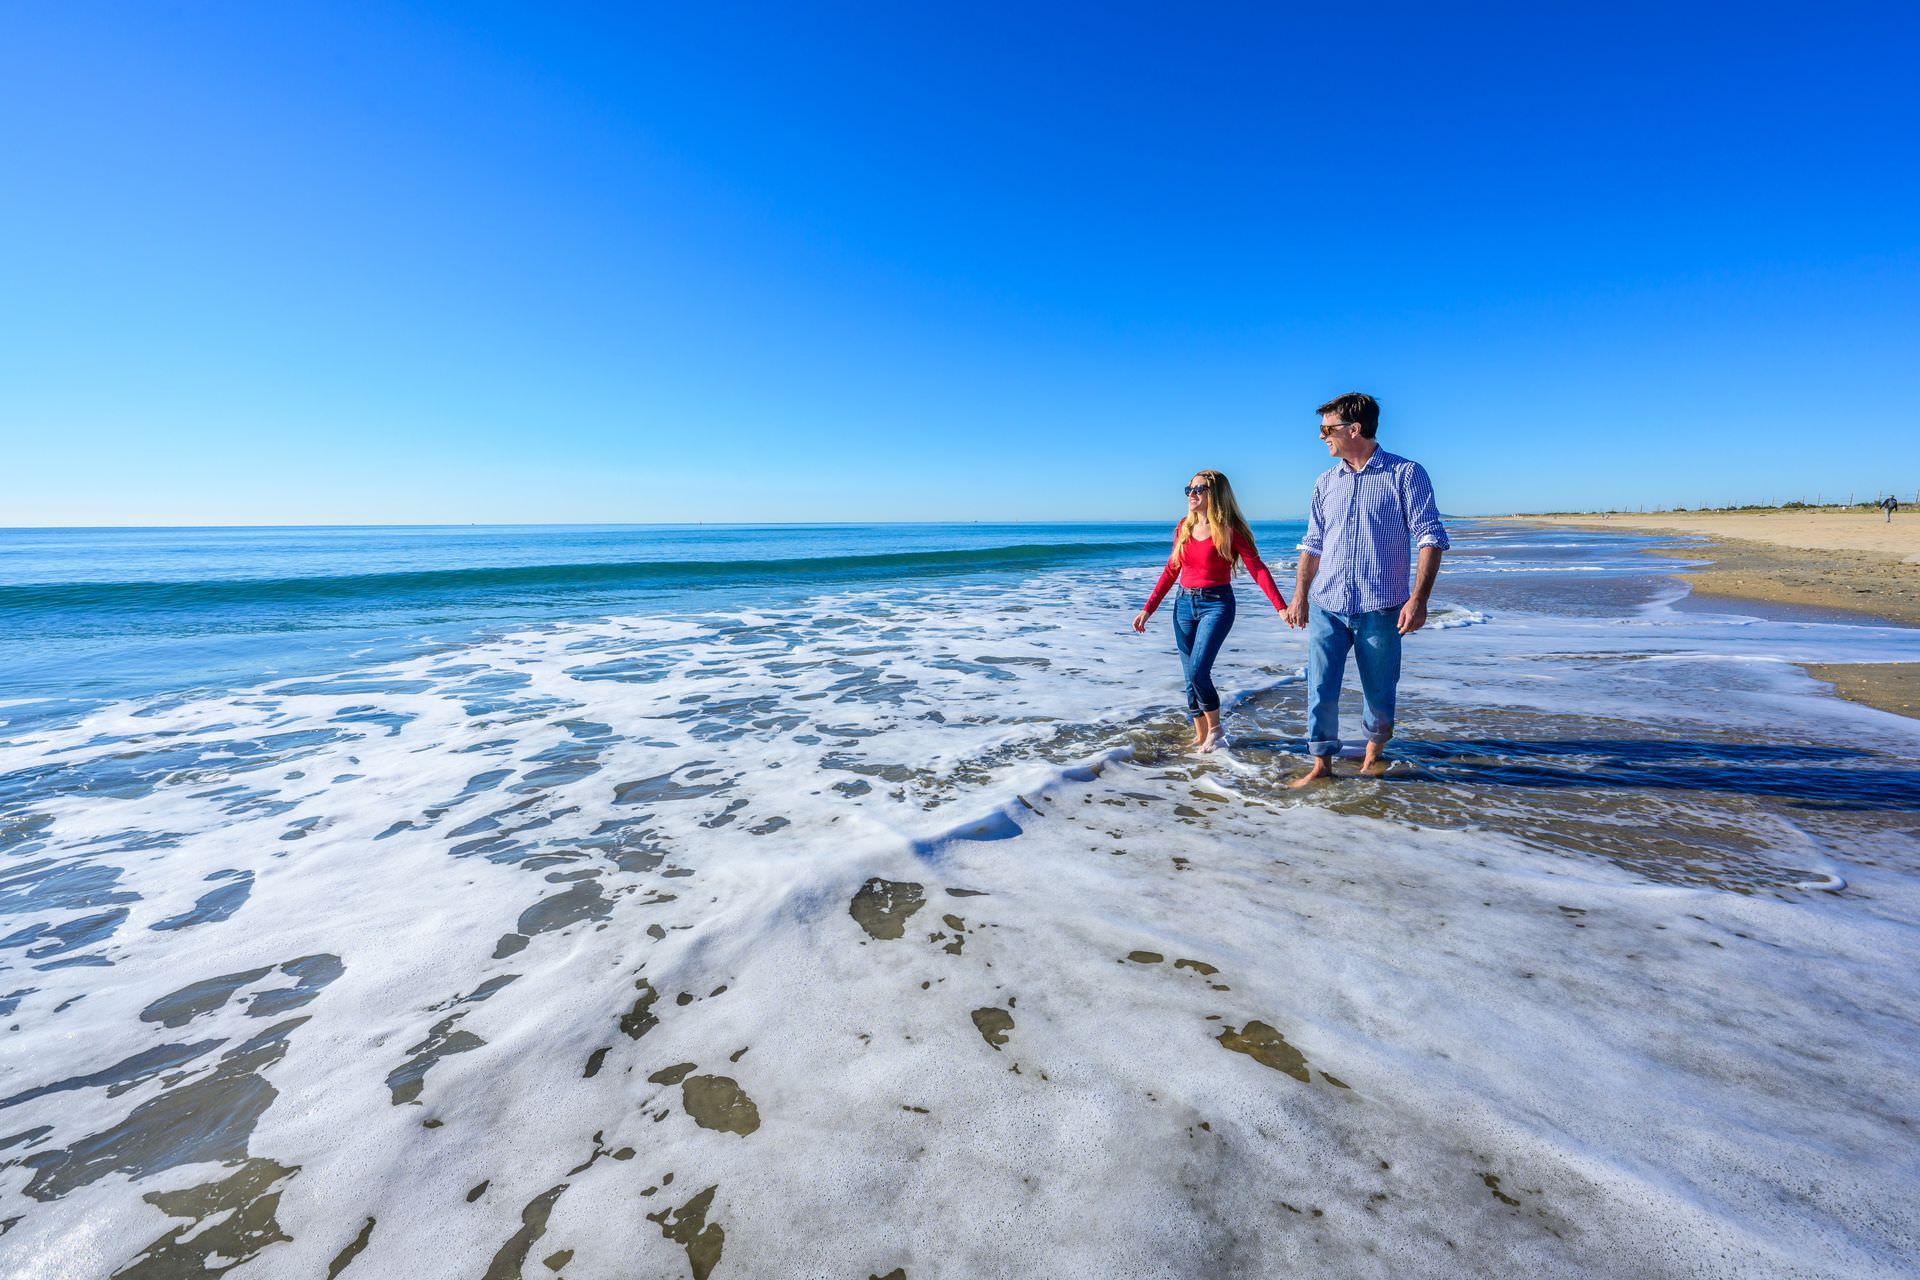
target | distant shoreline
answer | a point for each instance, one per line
(1853, 561)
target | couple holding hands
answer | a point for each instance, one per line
(1368, 515)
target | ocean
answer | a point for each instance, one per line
(839, 901)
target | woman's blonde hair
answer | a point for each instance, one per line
(1222, 513)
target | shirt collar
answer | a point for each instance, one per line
(1374, 463)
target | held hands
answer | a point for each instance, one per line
(1140, 620)
(1296, 611)
(1413, 616)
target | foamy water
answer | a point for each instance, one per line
(885, 929)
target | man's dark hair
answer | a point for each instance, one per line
(1355, 406)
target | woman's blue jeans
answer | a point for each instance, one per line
(1374, 639)
(1201, 619)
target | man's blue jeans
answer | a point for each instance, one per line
(1201, 619)
(1374, 639)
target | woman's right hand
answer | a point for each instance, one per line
(1140, 620)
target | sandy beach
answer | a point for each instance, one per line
(1852, 561)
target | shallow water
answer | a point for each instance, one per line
(881, 924)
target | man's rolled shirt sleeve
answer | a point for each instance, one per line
(1423, 511)
(1313, 541)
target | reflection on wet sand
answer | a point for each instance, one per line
(208, 1117)
(718, 1102)
(994, 1025)
(883, 907)
(228, 1222)
(1725, 814)
(688, 1226)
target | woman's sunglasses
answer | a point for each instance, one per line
(1193, 489)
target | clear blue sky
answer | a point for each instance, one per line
(297, 262)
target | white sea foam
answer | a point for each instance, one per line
(1449, 619)
(1483, 1052)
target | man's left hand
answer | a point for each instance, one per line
(1413, 616)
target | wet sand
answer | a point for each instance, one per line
(1856, 563)
(1890, 686)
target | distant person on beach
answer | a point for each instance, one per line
(1367, 514)
(1203, 613)
(1891, 504)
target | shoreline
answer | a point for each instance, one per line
(1851, 563)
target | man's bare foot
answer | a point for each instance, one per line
(1371, 764)
(1322, 770)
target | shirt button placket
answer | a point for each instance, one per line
(1353, 542)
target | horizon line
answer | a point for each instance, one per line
(658, 524)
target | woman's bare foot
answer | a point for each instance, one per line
(1371, 764)
(1322, 770)
(1210, 743)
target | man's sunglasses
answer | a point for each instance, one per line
(1326, 430)
(1193, 489)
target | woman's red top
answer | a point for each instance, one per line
(1201, 566)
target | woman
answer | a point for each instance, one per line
(1203, 614)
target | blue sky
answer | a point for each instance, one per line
(298, 263)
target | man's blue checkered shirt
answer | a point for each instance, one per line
(1363, 524)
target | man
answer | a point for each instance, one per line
(1889, 504)
(1367, 513)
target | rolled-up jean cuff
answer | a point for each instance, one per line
(1323, 748)
(1382, 735)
